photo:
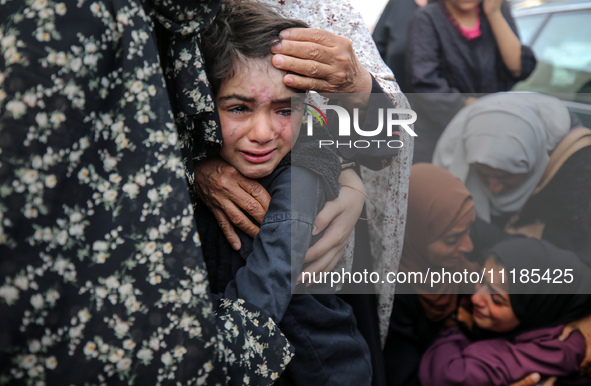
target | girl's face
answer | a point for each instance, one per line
(491, 304)
(455, 243)
(255, 109)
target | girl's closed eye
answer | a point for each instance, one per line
(451, 241)
(498, 300)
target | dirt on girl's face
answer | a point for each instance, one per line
(255, 110)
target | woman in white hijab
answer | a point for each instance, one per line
(526, 163)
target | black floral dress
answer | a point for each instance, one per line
(101, 275)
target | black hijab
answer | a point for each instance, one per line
(556, 299)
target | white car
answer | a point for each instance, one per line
(559, 32)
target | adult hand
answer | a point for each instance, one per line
(531, 380)
(321, 61)
(224, 190)
(584, 326)
(340, 215)
(534, 379)
(507, 41)
(534, 231)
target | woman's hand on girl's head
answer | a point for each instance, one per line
(225, 192)
(323, 62)
(338, 217)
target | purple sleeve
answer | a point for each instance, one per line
(452, 360)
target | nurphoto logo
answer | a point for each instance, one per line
(371, 128)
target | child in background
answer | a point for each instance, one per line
(520, 322)
(256, 113)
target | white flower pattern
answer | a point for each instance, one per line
(101, 268)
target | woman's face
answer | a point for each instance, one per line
(463, 5)
(455, 243)
(497, 180)
(491, 305)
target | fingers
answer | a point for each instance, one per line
(232, 191)
(325, 264)
(329, 247)
(586, 364)
(254, 199)
(315, 54)
(303, 66)
(227, 229)
(325, 216)
(311, 74)
(534, 379)
(566, 331)
(329, 260)
(242, 222)
(235, 217)
(550, 381)
(324, 256)
(304, 50)
(530, 380)
(260, 194)
(338, 217)
(313, 35)
(317, 250)
(321, 61)
(304, 83)
(230, 218)
(225, 191)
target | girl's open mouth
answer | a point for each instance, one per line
(259, 156)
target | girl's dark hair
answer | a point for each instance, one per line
(241, 30)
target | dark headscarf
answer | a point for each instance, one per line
(435, 199)
(545, 304)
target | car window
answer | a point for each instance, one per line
(528, 26)
(563, 50)
(566, 41)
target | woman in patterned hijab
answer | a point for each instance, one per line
(102, 278)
